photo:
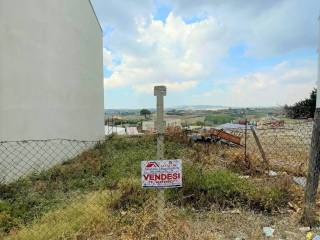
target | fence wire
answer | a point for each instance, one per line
(285, 148)
(18, 158)
(68, 189)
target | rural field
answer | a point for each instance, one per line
(98, 195)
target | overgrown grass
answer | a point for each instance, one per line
(76, 221)
(100, 168)
(32, 203)
(222, 188)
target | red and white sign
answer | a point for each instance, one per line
(161, 173)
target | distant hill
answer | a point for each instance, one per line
(182, 107)
(200, 107)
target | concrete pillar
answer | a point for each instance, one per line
(160, 92)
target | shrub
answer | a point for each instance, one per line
(202, 189)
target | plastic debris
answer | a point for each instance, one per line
(317, 237)
(244, 177)
(272, 173)
(309, 236)
(302, 181)
(304, 229)
(268, 231)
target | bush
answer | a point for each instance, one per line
(201, 189)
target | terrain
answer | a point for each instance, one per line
(98, 195)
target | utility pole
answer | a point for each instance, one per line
(160, 92)
(309, 215)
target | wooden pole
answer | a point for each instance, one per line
(309, 215)
(260, 147)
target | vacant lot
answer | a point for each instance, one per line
(98, 196)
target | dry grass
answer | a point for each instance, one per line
(93, 219)
(76, 221)
(126, 211)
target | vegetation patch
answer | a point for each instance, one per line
(102, 187)
(76, 221)
(219, 118)
(205, 188)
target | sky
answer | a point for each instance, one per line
(235, 53)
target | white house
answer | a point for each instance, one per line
(170, 122)
(51, 71)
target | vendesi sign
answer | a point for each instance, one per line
(161, 173)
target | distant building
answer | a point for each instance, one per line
(149, 125)
(51, 72)
(120, 130)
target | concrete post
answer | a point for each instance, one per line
(309, 215)
(160, 92)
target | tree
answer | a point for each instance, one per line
(304, 108)
(145, 112)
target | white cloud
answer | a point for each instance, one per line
(268, 28)
(284, 83)
(174, 53)
(143, 52)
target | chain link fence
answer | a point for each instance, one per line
(284, 148)
(68, 189)
(18, 158)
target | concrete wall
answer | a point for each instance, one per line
(51, 70)
(51, 83)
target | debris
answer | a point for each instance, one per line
(268, 231)
(309, 236)
(304, 229)
(244, 177)
(272, 173)
(302, 181)
(317, 237)
(294, 207)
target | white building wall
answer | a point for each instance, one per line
(51, 76)
(51, 81)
